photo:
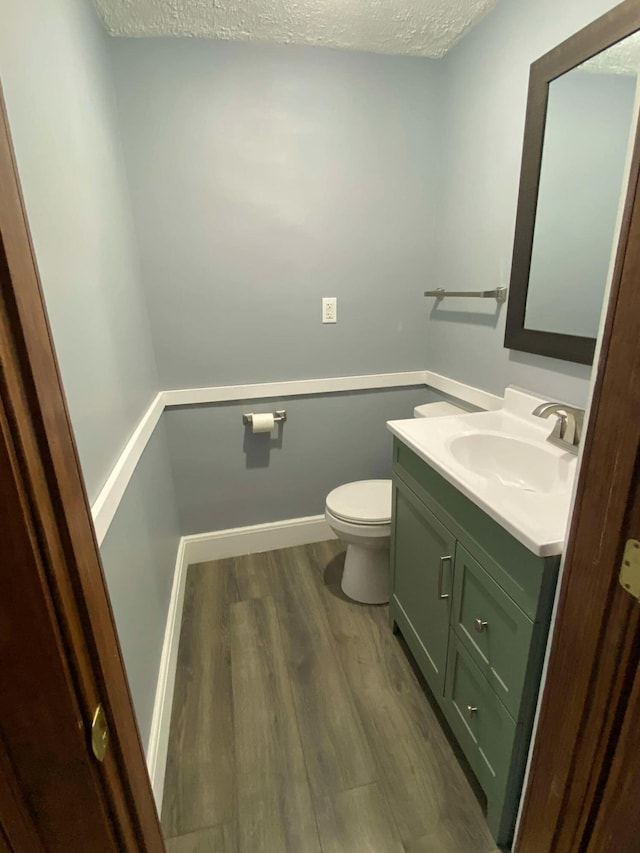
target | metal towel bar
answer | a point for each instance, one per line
(499, 294)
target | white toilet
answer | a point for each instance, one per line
(360, 515)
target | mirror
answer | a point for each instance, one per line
(580, 129)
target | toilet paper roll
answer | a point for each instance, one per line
(263, 423)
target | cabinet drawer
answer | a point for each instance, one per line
(492, 628)
(480, 721)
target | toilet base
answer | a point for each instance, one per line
(366, 574)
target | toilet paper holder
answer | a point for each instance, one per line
(280, 416)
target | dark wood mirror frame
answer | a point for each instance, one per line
(617, 24)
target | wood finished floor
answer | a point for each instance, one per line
(299, 725)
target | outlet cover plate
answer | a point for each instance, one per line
(329, 309)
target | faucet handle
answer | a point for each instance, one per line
(568, 429)
(575, 421)
(561, 428)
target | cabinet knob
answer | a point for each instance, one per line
(472, 709)
(480, 625)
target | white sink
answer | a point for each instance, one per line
(510, 461)
(502, 461)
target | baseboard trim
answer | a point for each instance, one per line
(161, 719)
(202, 548)
(236, 541)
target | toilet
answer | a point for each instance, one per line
(359, 514)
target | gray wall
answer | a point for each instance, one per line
(485, 94)
(586, 142)
(56, 78)
(139, 555)
(227, 477)
(57, 84)
(264, 177)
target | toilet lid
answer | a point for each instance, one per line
(365, 501)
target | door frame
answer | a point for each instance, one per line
(595, 648)
(72, 578)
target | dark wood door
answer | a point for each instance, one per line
(617, 823)
(44, 731)
(59, 651)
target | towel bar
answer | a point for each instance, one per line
(499, 294)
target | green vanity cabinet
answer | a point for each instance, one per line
(473, 605)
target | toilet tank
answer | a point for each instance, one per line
(437, 410)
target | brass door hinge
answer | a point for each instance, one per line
(99, 733)
(630, 568)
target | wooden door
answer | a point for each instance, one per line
(59, 653)
(617, 821)
(43, 726)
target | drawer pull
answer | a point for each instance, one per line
(472, 709)
(481, 625)
(442, 595)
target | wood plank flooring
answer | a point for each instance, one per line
(275, 811)
(299, 725)
(200, 783)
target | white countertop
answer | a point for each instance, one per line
(509, 470)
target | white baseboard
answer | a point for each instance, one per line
(203, 547)
(161, 720)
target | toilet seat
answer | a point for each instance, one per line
(365, 502)
(351, 531)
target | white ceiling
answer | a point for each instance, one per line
(414, 27)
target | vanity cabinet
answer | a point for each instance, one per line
(473, 605)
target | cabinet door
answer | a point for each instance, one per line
(423, 580)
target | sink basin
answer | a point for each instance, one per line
(501, 460)
(510, 461)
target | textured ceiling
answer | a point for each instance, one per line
(414, 27)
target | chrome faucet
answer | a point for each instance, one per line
(568, 430)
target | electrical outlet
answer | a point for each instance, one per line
(329, 309)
